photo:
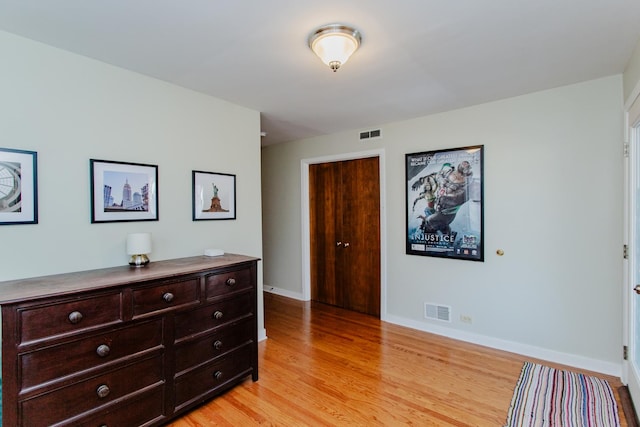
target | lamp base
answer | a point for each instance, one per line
(138, 260)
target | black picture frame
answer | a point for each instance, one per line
(122, 191)
(18, 186)
(445, 203)
(214, 196)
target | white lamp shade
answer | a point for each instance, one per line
(334, 47)
(139, 244)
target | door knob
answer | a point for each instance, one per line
(637, 289)
(346, 244)
(338, 243)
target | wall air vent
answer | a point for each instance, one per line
(437, 312)
(370, 134)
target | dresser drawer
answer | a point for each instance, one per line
(80, 397)
(223, 340)
(169, 295)
(78, 356)
(225, 283)
(38, 322)
(212, 316)
(136, 411)
(213, 376)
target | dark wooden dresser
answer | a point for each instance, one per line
(127, 347)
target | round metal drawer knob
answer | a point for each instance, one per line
(75, 317)
(218, 315)
(217, 345)
(231, 281)
(168, 297)
(103, 350)
(217, 375)
(103, 391)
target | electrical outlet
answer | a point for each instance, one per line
(465, 319)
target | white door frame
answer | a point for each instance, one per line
(630, 374)
(306, 236)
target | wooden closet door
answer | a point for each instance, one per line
(324, 223)
(360, 272)
(345, 234)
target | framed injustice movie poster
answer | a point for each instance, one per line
(444, 198)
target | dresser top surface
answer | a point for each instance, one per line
(79, 281)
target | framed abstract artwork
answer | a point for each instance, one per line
(18, 187)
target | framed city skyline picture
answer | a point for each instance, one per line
(214, 196)
(123, 191)
(18, 187)
(444, 203)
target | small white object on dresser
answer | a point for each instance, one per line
(213, 252)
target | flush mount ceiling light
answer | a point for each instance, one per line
(334, 44)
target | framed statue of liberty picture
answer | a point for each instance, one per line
(444, 203)
(214, 196)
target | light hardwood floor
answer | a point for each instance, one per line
(323, 366)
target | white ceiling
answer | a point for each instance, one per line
(417, 57)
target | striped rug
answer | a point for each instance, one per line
(550, 397)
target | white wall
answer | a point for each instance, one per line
(553, 203)
(70, 109)
(631, 76)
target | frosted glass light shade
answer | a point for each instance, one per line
(334, 44)
(139, 244)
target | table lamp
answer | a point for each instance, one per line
(138, 246)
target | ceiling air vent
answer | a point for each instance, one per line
(437, 312)
(370, 134)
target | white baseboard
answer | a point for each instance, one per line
(283, 292)
(262, 334)
(576, 361)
